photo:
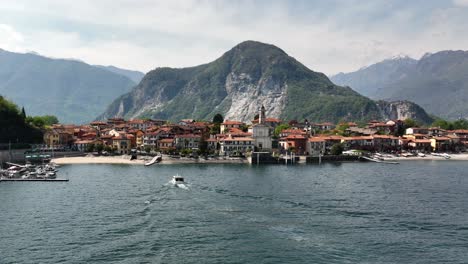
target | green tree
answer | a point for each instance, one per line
(23, 113)
(147, 149)
(218, 119)
(99, 148)
(215, 129)
(90, 148)
(410, 123)
(337, 149)
(280, 128)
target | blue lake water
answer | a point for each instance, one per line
(414, 212)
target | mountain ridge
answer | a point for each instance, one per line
(436, 77)
(236, 84)
(72, 90)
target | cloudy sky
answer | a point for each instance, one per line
(326, 35)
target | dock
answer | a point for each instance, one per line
(33, 180)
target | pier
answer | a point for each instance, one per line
(33, 180)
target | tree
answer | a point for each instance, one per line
(218, 119)
(337, 149)
(23, 113)
(280, 128)
(410, 123)
(99, 148)
(215, 129)
(90, 148)
(147, 149)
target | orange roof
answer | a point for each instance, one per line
(316, 139)
(295, 136)
(421, 141)
(188, 136)
(166, 140)
(228, 122)
(460, 131)
(237, 139)
(358, 138)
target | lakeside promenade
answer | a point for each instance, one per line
(167, 160)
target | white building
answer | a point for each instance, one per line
(230, 145)
(261, 133)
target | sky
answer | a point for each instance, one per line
(328, 36)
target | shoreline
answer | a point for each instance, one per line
(127, 161)
(166, 160)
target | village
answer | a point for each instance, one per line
(237, 139)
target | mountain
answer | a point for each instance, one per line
(13, 127)
(369, 80)
(135, 76)
(438, 82)
(249, 75)
(403, 110)
(73, 91)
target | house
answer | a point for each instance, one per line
(230, 146)
(296, 143)
(420, 145)
(227, 124)
(323, 126)
(82, 145)
(357, 131)
(385, 143)
(382, 127)
(166, 144)
(58, 137)
(441, 144)
(461, 133)
(122, 143)
(360, 142)
(187, 141)
(436, 132)
(212, 143)
(416, 130)
(315, 146)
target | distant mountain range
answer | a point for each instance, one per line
(73, 91)
(438, 82)
(135, 76)
(249, 75)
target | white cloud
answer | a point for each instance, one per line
(146, 34)
(10, 39)
(460, 2)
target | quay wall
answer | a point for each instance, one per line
(18, 156)
(332, 158)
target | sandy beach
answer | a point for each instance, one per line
(126, 160)
(460, 157)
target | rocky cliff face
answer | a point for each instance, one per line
(237, 84)
(404, 110)
(267, 92)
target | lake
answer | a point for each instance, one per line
(413, 212)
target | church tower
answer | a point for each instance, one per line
(261, 133)
(261, 116)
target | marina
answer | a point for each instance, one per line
(30, 172)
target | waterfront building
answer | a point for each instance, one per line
(230, 146)
(262, 133)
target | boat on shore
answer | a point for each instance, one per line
(154, 160)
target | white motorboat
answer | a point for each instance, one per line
(177, 180)
(422, 155)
